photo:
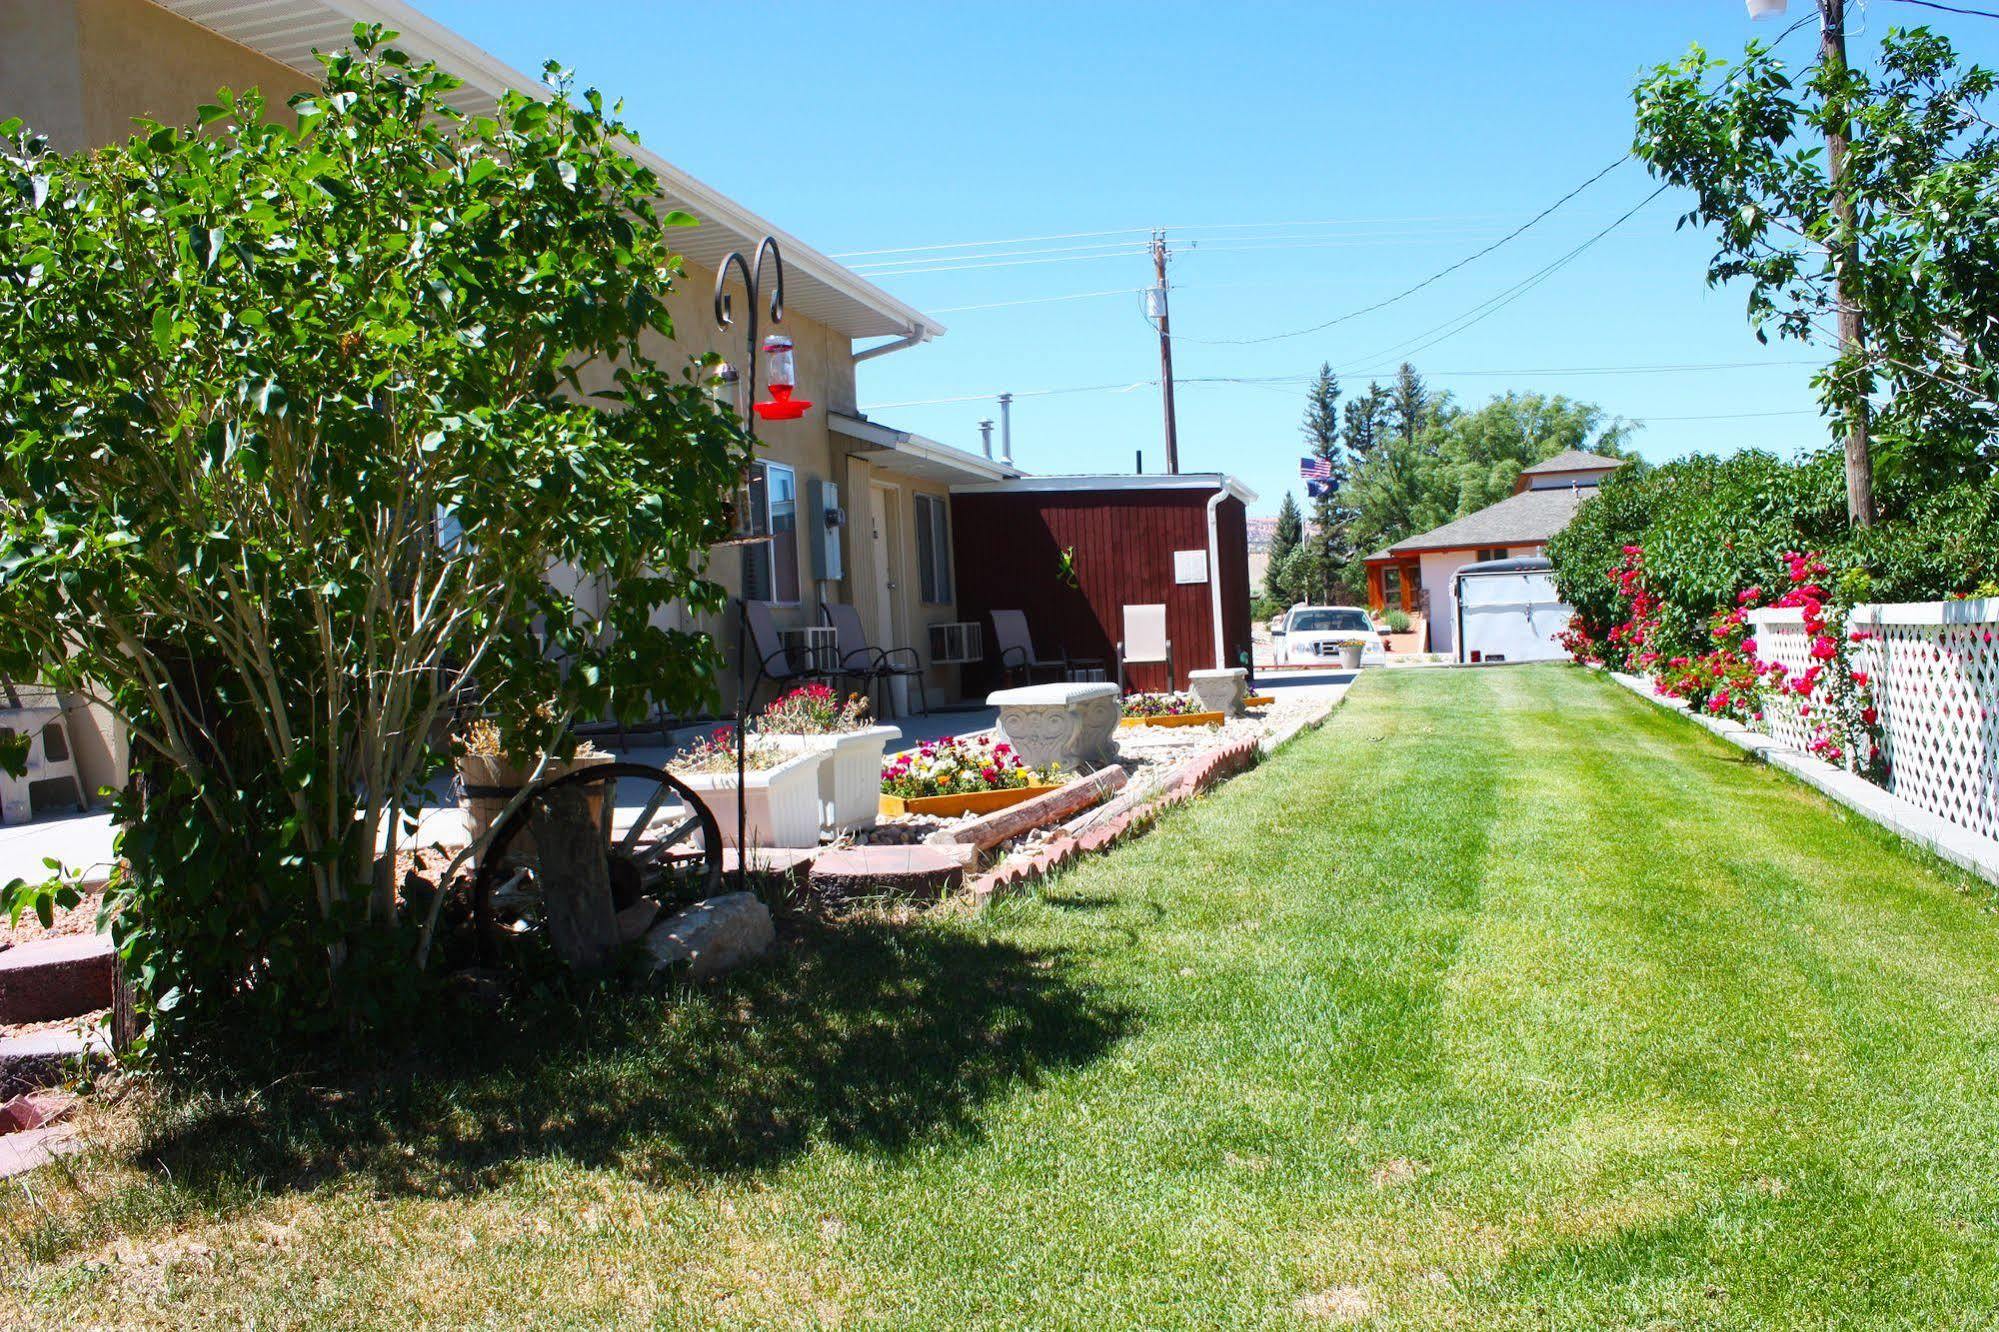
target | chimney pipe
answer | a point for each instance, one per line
(1138, 462)
(986, 436)
(1006, 428)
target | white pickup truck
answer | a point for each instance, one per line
(1314, 635)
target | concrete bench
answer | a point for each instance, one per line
(1221, 691)
(1068, 724)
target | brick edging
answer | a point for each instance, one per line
(1182, 783)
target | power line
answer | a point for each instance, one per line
(1272, 381)
(1951, 9)
(1724, 416)
(1457, 324)
(1035, 300)
(1194, 226)
(1434, 277)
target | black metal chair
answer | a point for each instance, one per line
(862, 660)
(1018, 658)
(776, 663)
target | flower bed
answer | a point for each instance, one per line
(1167, 710)
(961, 775)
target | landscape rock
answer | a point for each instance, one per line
(712, 936)
(637, 918)
(32, 1111)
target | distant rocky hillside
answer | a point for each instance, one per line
(1259, 533)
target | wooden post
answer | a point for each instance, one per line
(575, 879)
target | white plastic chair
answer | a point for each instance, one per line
(1145, 643)
(42, 722)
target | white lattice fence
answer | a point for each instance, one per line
(1933, 671)
(1781, 637)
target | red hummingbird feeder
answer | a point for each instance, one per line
(781, 377)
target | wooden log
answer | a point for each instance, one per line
(988, 832)
(575, 880)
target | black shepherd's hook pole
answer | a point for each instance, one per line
(745, 683)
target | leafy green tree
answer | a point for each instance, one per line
(1284, 539)
(1466, 459)
(293, 424)
(1919, 244)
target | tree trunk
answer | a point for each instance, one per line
(575, 880)
(1846, 274)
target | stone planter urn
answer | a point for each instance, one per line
(850, 774)
(1073, 725)
(1350, 654)
(1225, 691)
(781, 804)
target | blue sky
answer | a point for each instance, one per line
(1306, 160)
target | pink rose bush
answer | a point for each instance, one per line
(1730, 679)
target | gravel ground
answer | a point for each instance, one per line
(1147, 754)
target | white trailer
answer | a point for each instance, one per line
(1508, 610)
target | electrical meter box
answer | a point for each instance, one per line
(825, 519)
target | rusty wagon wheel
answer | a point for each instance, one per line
(671, 849)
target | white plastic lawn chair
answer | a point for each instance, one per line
(1145, 643)
(50, 755)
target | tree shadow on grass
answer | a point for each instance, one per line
(860, 1034)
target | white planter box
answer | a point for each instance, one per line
(850, 778)
(781, 805)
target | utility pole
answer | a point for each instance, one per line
(1846, 278)
(1165, 351)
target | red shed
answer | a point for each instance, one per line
(1181, 540)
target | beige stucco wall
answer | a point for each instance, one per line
(80, 71)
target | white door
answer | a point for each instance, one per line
(881, 532)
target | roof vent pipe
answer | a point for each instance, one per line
(986, 436)
(1006, 428)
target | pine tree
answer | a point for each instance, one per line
(1333, 511)
(1284, 539)
(1409, 403)
(1366, 422)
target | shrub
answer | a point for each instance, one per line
(1663, 568)
(293, 422)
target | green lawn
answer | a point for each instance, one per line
(1506, 1000)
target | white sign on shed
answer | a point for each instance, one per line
(1190, 566)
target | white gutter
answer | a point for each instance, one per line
(898, 344)
(1230, 486)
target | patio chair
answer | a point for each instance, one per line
(1145, 642)
(774, 659)
(50, 756)
(861, 660)
(1018, 658)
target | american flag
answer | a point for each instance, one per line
(1315, 469)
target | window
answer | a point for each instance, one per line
(770, 568)
(1491, 553)
(1391, 588)
(1334, 620)
(933, 549)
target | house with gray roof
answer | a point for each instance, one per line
(1416, 574)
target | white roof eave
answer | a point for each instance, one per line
(289, 31)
